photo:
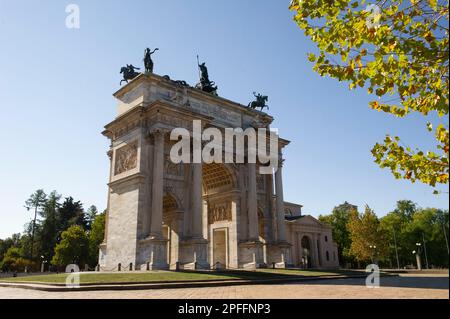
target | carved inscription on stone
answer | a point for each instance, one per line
(126, 158)
(219, 212)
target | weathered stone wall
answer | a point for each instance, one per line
(123, 225)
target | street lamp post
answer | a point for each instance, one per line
(373, 248)
(43, 264)
(445, 235)
(417, 253)
(32, 232)
(425, 251)
(396, 251)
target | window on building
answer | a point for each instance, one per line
(328, 255)
(326, 238)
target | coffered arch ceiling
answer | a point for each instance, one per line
(217, 177)
(169, 203)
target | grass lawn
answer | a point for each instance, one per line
(173, 276)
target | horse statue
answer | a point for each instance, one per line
(128, 72)
(259, 102)
(178, 82)
(148, 63)
(208, 87)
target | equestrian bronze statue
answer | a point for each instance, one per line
(259, 102)
(129, 73)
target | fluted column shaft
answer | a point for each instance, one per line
(157, 186)
(281, 225)
(252, 204)
(197, 207)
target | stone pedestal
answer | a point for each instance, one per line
(153, 253)
(102, 255)
(251, 255)
(194, 254)
(280, 254)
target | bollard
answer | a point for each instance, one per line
(273, 265)
(97, 267)
(131, 266)
(177, 266)
(119, 267)
(148, 266)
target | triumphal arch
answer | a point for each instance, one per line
(166, 215)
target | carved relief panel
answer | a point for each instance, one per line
(126, 158)
(219, 212)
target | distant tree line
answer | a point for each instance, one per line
(60, 233)
(391, 240)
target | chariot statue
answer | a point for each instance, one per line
(205, 84)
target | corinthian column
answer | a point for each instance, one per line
(253, 233)
(195, 249)
(281, 225)
(157, 185)
(197, 207)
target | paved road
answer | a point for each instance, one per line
(404, 286)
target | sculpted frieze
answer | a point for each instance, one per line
(126, 158)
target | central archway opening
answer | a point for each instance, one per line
(218, 182)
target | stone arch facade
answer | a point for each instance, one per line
(163, 214)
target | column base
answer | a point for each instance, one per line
(251, 255)
(194, 254)
(153, 254)
(102, 255)
(279, 253)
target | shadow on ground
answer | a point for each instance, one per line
(435, 282)
(275, 273)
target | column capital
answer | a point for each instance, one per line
(152, 133)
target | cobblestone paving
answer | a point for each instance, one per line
(404, 286)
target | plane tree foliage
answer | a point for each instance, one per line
(398, 51)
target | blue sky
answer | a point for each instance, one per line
(57, 83)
